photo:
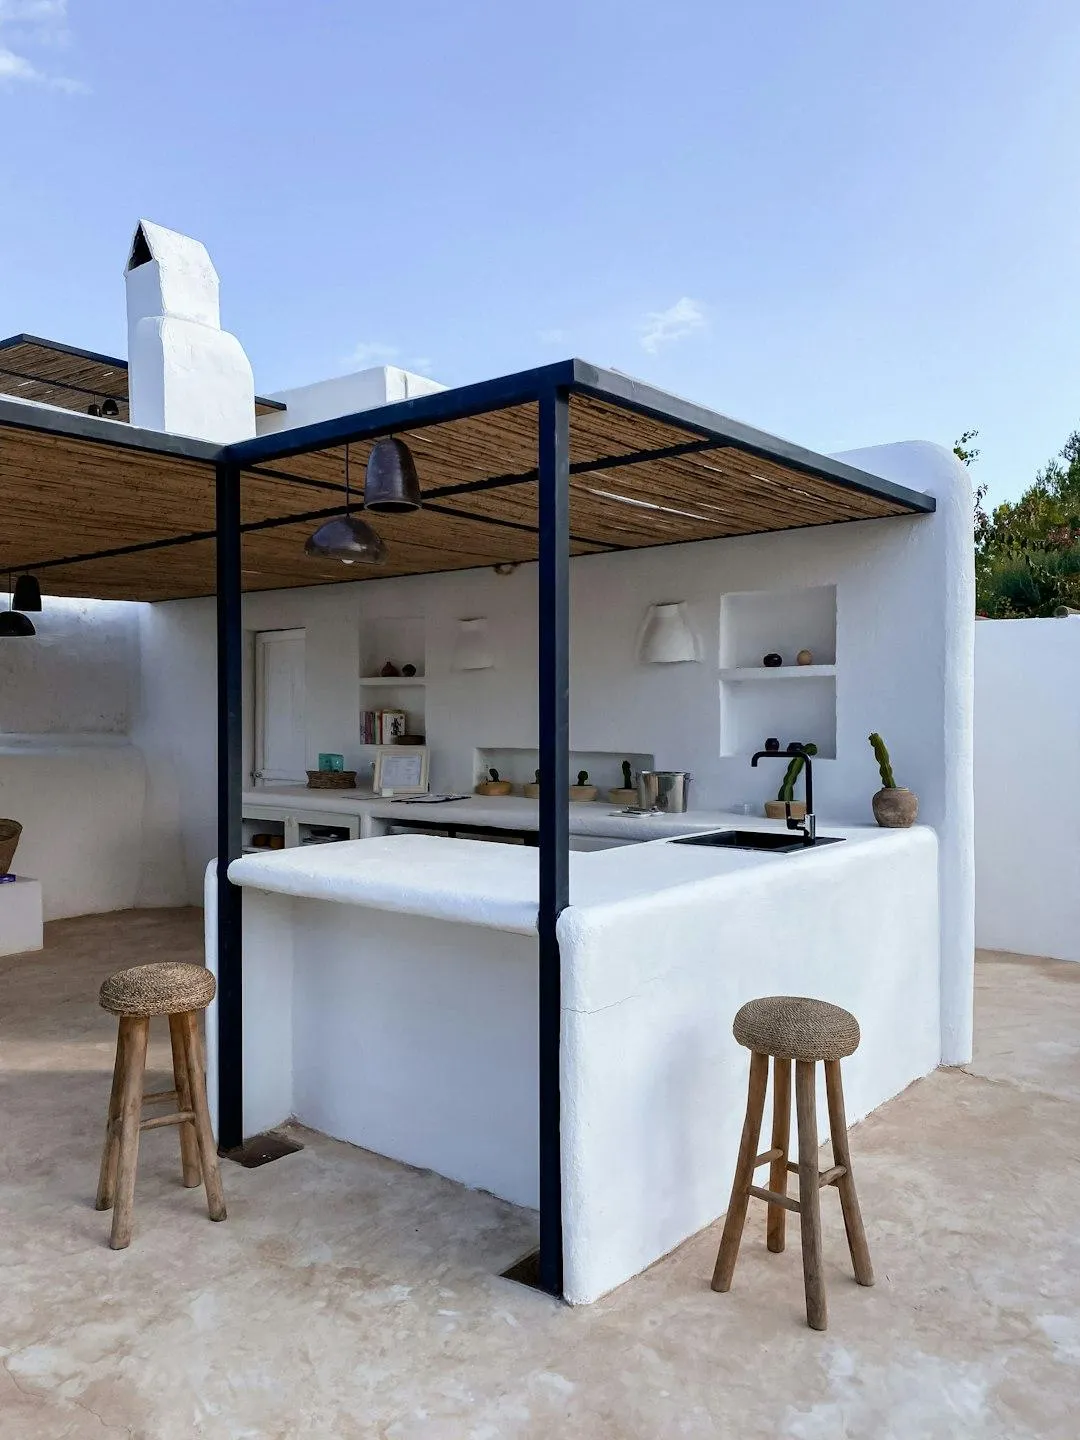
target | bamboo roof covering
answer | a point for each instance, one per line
(99, 509)
(49, 373)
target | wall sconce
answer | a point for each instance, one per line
(666, 637)
(472, 649)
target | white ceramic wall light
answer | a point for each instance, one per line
(666, 637)
(472, 649)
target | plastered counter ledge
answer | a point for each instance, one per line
(390, 1000)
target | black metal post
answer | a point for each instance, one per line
(554, 723)
(230, 640)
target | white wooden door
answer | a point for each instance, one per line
(280, 739)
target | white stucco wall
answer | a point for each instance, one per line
(68, 769)
(1027, 773)
(904, 641)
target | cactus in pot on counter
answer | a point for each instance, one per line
(627, 775)
(895, 807)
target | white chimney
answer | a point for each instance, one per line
(185, 374)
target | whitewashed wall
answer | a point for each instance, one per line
(68, 771)
(904, 647)
(1027, 775)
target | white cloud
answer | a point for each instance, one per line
(664, 327)
(374, 352)
(31, 23)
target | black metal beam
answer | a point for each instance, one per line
(553, 696)
(230, 941)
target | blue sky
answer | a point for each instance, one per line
(846, 223)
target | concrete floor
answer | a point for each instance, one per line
(349, 1297)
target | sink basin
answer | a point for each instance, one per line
(775, 842)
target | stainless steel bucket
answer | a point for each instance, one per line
(664, 790)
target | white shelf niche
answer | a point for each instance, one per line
(398, 638)
(791, 702)
(392, 682)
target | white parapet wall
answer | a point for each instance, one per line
(1027, 786)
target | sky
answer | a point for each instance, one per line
(845, 223)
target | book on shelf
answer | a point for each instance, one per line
(383, 727)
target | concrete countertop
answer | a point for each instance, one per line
(495, 885)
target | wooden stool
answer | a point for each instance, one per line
(179, 991)
(789, 1027)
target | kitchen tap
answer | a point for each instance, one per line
(807, 828)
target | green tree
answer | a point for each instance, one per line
(1027, 551)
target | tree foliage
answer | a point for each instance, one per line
(1027, 551)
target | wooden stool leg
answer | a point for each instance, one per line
(106, 1190)
(744, 1174)
(215, 1195)
(809, 1194)
(189, 1142)
(781, 1136)
(131, 1047)
(849, 1200)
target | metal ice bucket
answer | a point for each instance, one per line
(664, 790)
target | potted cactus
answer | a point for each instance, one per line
(493, 785)
(778, 809)
(532, 792)
(895, 807)
(627, 793)
(583, 790)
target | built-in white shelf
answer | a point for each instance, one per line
(393, 681)
(777, 672)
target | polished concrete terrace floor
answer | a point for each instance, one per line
(350, 1297)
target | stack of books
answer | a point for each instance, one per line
(382, 727)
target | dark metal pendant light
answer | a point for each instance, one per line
(346, 537)
(27, 594)
(391, 484)
(14, 622)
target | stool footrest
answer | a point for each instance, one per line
(767, 1156)
(825, 1177)
(159, 1095)
(773, 1198)
(181, 1117)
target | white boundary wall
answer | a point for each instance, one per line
(1027, 778)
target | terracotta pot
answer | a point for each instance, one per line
(583, 792)
(531, 791)
(623, 797)
(896, 809)
(776, 810)
(494, 787)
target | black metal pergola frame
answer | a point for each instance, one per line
(549, 389)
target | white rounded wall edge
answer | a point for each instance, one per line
(941, 554)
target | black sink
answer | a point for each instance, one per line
(776, 842)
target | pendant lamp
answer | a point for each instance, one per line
(27, 594)
(346, 537)
(13, 622)
(391, 484)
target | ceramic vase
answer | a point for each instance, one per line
(896, 809)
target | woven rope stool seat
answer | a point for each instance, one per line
(794, 1029)
(179, 991)
(165, 988)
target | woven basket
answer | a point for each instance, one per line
(10, 830)
(331, 779)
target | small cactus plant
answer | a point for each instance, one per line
(627, 775)
(881, 754)
(493, 775)
(583, 777)
(536, 777)
(792, 773)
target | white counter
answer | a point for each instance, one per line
(390, 999)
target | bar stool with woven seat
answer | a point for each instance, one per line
(793, 1028)
(179, 991)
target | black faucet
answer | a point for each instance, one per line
(807, 828)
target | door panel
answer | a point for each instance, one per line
(280, 736)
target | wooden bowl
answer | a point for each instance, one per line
(623, 797)
(494, 787)
(583, 792)
(531, 791)
(774, 810)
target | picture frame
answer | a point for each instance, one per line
(401, 770)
